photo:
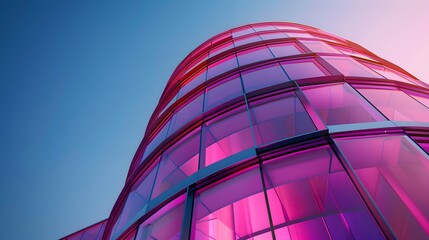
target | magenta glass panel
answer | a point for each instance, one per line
(242, 32)
(340, 104)
(94, 233)
(165, 223)
(223, 92)
(268, 36)
(264, 28)
(159, 137)
(395, 173)
(319, 47)
(226, 136)
(389, 73)
(247, 40)
(299, 35)
(264, 76)
(350, 67)
(230, 211)
(311, 197)
(284, 49)
(196, 62)
(396, 105)
(254, 55)
(279, 117)
(222, 66)
(348, 51)
(299, 69)
(192, 83)
(177, 163)
(221, 48)
(137, 200)
(189, 112)
(281, 27)
(422, 98)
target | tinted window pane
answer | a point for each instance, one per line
(189, 112)
(159, 137)
(279, 117)
(350, 67)
(263, 77)
(192, 83)
(221, 48)
(340, 104)
(317, 46)
(254, 55)
(223, 92)
(396, 105)
(299, 35)
(303, 69)
(222, 66)
(389, 74)
(267, 36)
(242, 32)
(247, 40)
(285, 49)
(264, 28)
(395, 174)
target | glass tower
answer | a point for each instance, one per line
(279, 131)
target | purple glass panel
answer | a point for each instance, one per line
(318, 46)
(340, 104)
(242, 32)
(177, 163)
(247, 40)
(268, 36)
(279, 117)
(193, 82)
(226, 136)
(264, 76)
(284, 49)
(395, 173)
(389, 73)
(311, 197)
(197, 62)
(263, 28)
(230, 211)
(159, 137)
(223, 92)
(94, 232)
(222, 66)
(189, 112)
(299, 35)
(307, 68)
(137, 200)
(221, 48)
(254, 55)
(350, 67)
(396, 105)
(165, 223)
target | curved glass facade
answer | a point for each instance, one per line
(280, 131)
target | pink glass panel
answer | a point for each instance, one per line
(264, 28)
(137, 200)
(299, 35)
(226, 136)
(166, 223)
(94, 233)
(177, 163)
(422, 98)
(242, 32)
(195, 80)
(284, 49)
(279, 117)
(389, 74)
(189, 112)
(317, 46)
(396, 105)
(254, 55)
(223, 92)
(348, 51)
(221, 48)
(340, 104)
(311, 197)
(159, 137)
(197, 62)
(395, 173)
(268, 36)
(303, 69)
(287, 27)
(350, 67)
(230, 211)
(264, 76)
(222, 66)
(247, 40)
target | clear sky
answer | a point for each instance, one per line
(79, 80)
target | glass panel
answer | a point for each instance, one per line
(317, 46)
(158, 139)
(220, 49)
(193, 82)
(264, 76)
(226, 136)
(287, 27)
(189, 112)
(299, 35)
(94, 232)
(307, 68)
(279, 117)
(222, 66)
(137, 200)
(247, 40)
(177, 163)
(223, 92)
(242, 32)
(350, 67)
(264, 28)
(395, 173)
(166, 223)
(421, 97)
(388, 73)
(347, 51)
(197, 62)
(268, 36)
(284, 49)
(254, 55)
(230, 211)
(311, 197)
(396, 105)
(340, 104)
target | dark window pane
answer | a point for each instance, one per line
(223, 92)
(187, 113)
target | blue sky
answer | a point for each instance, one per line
(79, 80)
